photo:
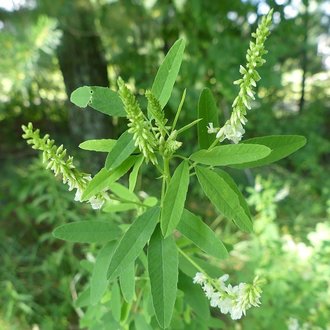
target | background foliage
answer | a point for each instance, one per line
(49, 48)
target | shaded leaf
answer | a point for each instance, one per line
(223, 197)
(133, 241)
(174, 199)
(201, 234)
(134, 174)
(115, 302)
(208, 112)
(163, 273)
(194, 296)
(127, 282)
(99, 280)
(88, 232)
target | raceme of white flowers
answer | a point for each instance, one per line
(56, 159)
(233, 129)
(235, 300)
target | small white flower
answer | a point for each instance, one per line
(211, 129)
(215, 299)
(199, 278)
(225, 305)
(222, 280)
(78, 195)
(236, 312)
(208, 289)
(96, 203)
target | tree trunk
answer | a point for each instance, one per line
(82, 62)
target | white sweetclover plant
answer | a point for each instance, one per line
(158, 259)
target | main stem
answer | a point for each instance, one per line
(166, 178)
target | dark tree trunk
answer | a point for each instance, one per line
(82, 62)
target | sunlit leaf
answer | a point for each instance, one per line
(281, 146)
(165, 78)
(101, 145)
(120, 151)
(231, 154)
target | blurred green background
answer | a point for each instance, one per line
(49, 48)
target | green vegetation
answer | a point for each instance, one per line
(50, 51)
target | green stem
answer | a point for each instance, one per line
(166, 178)
(192, 261)
(127, 201)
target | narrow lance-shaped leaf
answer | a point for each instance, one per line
(223, 197)
(88, 232)
(115, 302)
(194, 296)
(163, 273)
(174, 199)
(121, 151)
(208, 111)
(201, 234)
(230, 181)
(281, 145)
(99, 280)
(166, 75)
(101, 145)
(134, 174)
(133, 241)
(127, 282)
(231, 154)
(102, 99)
(104, 178)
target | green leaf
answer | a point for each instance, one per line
(95, 231)
(208, 111)
(104, 178)
(127, 282)
(223, 197)
(230, 181)
(102, 99)
(163, 273)
(134, 174)
(101, 145)
(201, 234)
(231, 154)
(133, 241)
(187, 268)
(140, 323)
(83, 299)
(194, 296)
(281, 145)
(166, 75)
(121, 151)
(112, 207)
(81, 96)
(122, 192)
(174, 199)
(115, 302)
(99, 280)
